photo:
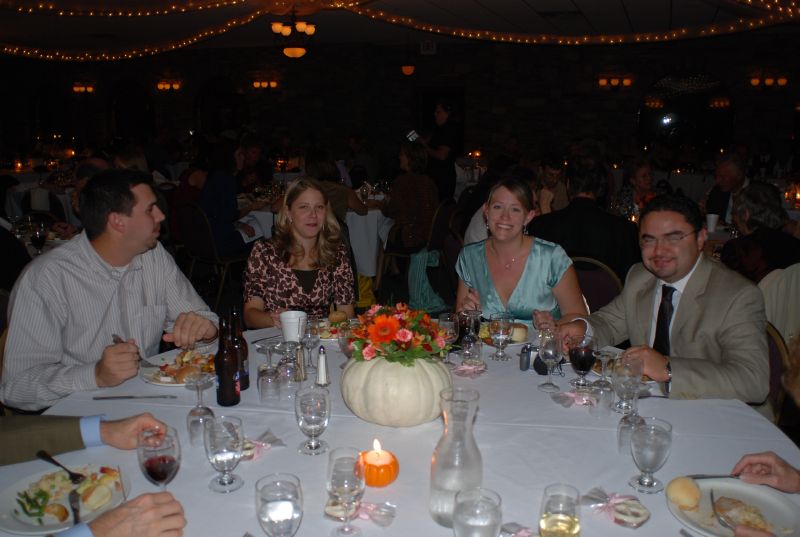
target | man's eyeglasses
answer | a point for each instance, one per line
(671, 240)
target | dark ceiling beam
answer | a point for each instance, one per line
(583, 14)
(627, 16)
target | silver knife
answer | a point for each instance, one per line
(75, 505)
(713, 476)
(114, 397)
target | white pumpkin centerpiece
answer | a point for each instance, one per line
(394, 377)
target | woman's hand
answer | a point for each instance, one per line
(768, 469)
(472, 300)
(543, 320)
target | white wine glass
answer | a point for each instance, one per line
(224, 442)
(312, 408)
(310, 341)
(345, 484)
(449, 325)
(560, 514)
(650, 446)
(478, 512)
(159, 454)
(550, 354)
(279, 504)
(500, 328)
(195, 420)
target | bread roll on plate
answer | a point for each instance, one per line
(684, 492)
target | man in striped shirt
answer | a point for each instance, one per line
(114, 281)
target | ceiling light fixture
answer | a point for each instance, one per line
(294, 36)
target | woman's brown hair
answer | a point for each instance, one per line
(329, 239)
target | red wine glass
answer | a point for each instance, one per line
(159, 453)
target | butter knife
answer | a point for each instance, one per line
(116, 397)
(75, 505)
(713, 476)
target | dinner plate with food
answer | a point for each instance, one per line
(39, 504)
(172, 368)
(519, 335)
(756, 506)
(336, 320)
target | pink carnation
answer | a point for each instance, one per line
(369, 352)
(374, 309)
(440, 342)
(404, 335)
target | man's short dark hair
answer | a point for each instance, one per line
(108, 192)
(587, 181)
(676, 203)
(552, 161)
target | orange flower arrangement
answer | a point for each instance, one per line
(398, 334)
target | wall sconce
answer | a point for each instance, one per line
(654, 102)
(407, 70)
(719, 102)
(81, 87)
(168, 85)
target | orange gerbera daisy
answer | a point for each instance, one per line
(383, 329)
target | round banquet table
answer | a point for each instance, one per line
(527, 442)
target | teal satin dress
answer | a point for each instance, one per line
(546, 264)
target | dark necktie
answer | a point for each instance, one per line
(665, 311)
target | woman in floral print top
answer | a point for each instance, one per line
(305, 266)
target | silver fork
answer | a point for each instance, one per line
(721, 519)
(247, 534)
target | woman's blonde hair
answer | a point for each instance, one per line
(330, 236)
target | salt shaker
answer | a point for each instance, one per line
(322, 368)
(525, 357)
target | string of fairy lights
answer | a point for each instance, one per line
(768, 13)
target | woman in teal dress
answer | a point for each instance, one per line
(513, 272)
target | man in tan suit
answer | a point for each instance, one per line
(698, 326)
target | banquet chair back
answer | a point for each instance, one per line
(200, 246)
(599, 284)
(780, 288)
(49, 204)
(778, 362)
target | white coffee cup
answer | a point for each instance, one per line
(293, 324)
(711, 222)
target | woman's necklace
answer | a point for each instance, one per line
(506, 266)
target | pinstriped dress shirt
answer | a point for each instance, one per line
(67, 304)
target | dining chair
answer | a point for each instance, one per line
(780, 288)
(200, 246)
(778, 362)
(599, 284)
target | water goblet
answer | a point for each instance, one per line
(195, 421)
(650, 445)
(310, 341)
(345, 484)
(560, 514)
(477, 513)
(550, 354)
(224, 441)
(159, 454)
(626, 376)
(279, 504)
(312, 407)
(449, 324)
(581, 356)
(500, 327)
(604, 357)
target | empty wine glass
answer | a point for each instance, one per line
(449, 324)
(310, 341)
(159, 454)
(581, 356)
(471, 345)
(279, 504)
(550, 354)
(561, 511)
(198, 414)
(224, 441)
(604, 357)
(312, 407)
(500, 327)
(478, 512)
(345, 484)
(650, 445)
(626, 376)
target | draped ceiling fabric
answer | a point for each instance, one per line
(102, 30)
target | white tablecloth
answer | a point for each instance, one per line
(526, 440)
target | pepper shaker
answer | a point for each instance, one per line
(525, 357)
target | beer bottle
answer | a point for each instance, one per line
(240, 345)
(226, 363)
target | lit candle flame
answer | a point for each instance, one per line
(376, 445)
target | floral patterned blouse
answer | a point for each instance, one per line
(267, 277)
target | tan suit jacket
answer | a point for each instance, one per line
(718, 341)
(22, 436)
